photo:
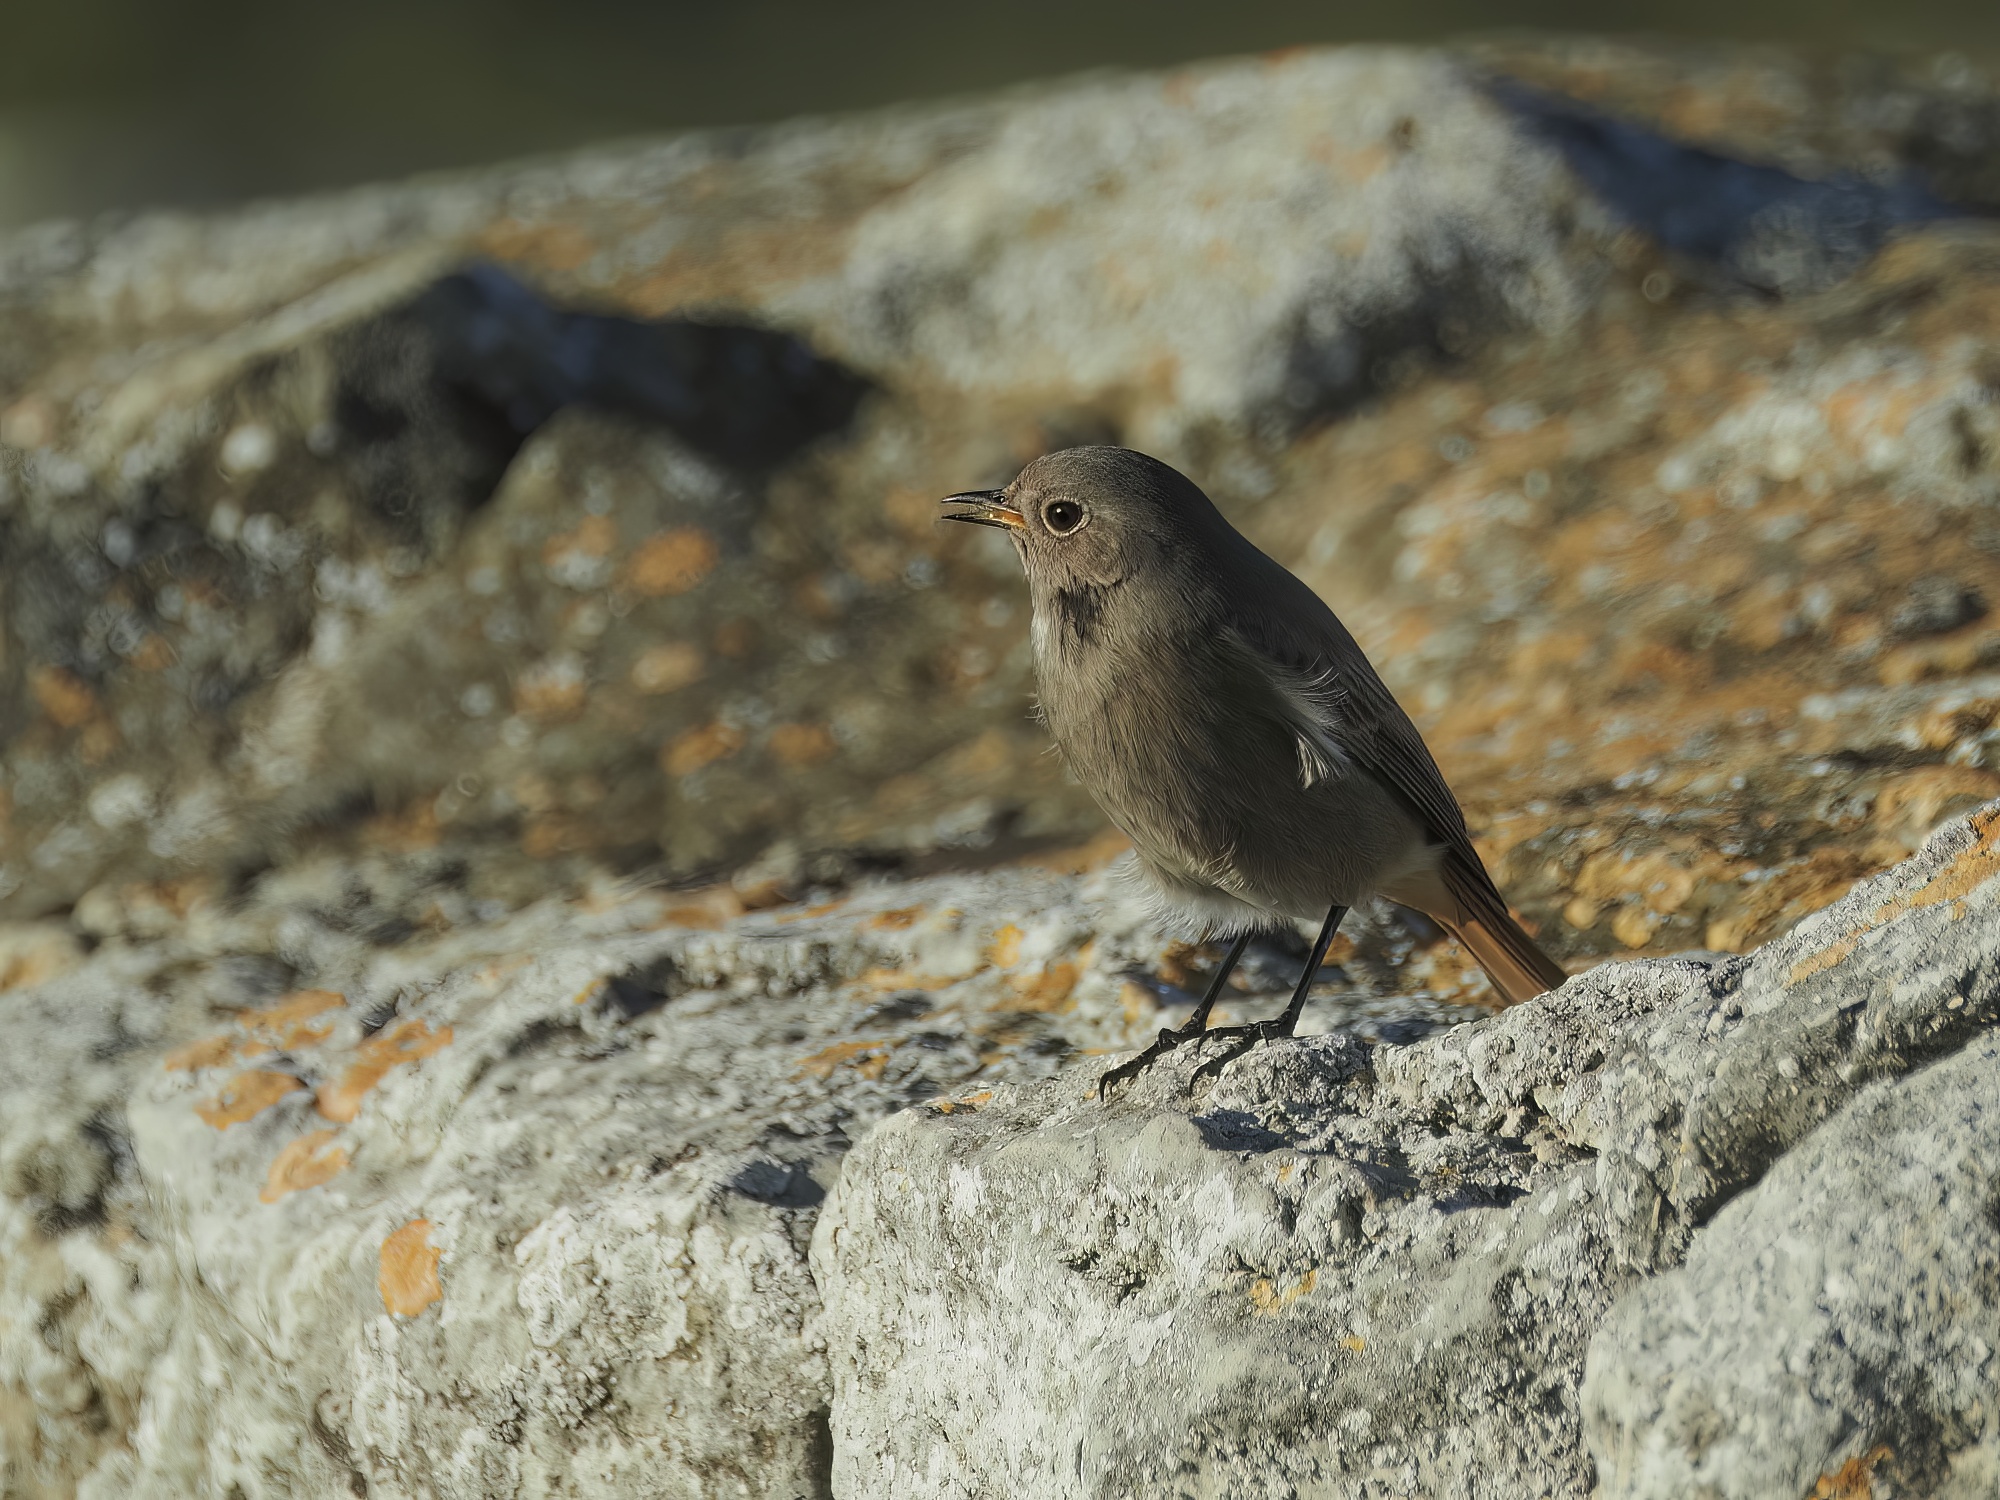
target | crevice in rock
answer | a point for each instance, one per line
(819, 1453)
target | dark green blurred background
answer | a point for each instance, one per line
(114, 103)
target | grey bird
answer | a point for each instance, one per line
(1229, 725)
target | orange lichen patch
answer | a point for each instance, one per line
(708, 910)
(903, 979)
(551, 691)
(34, 953)
(738, 267)
(551, 247)
(1654, 878)
(408, 1279)
(1268, 1297)
(1005, 949)
(406, 1042)
(154, 654)
(410, 831)
(1908, 808)
(308, 1162)
(867, 1058)
(1957, 880)
(1177, 964)
(1634, 926)
(1353, 1342)
(984, 758)
(1793, 891)
(969, 1102)
(761, 895)
(288, 1023)
(1962, 876)
(594, 536)
(209, 1052)
(246, 1096)
(99, 741)
(799, 745)
(894, 921)
(901, 794)
(30, 422)
(1081, 858)
(1448, 971)
(63, 696)
(556, 833)
(667, 667)
(671, 562)
(1853, 1480)
(689, 752)
(1047, 991)
(1581, 912)
(1948, 657)
(1136, 1004)
(808, 913)
(1951, 717)
(1731, 934)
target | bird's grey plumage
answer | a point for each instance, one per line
(1226, 720)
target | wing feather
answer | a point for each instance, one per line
(1345, 718)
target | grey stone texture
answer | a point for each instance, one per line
(551, 960)
(644, 1195)
(611, 1128)
(1322, 1268)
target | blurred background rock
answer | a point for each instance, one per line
(125, 103)
(548, 523)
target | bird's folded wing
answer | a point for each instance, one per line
(1344, 717)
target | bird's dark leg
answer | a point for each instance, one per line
(1192, 1027)
(1199, 1020)
(1286, 1024)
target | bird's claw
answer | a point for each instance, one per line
(1127, 1071)
(1248, 1036)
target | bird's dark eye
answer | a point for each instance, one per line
(1062, 516)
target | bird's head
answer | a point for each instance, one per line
(1096, 519)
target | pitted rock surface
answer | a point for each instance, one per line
(522, 964)
(1332, 1269)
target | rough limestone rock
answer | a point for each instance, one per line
(493, 743)
(1330, 1269)
(648, 1195)
(1690, 589)
(1845, 1307)
(292, 1204)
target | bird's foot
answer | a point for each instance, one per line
(1244, 1037)
(1168, 1040)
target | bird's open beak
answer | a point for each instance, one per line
(985, 508)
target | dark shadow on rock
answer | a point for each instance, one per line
(1762, 225)
(749, 396)
(1236, 1130)
(644, 989)
(779, 1183)
(436, 397)
(1341, 355)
